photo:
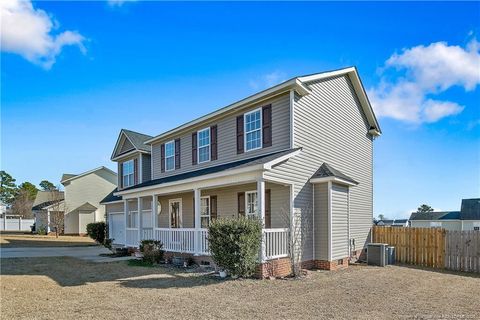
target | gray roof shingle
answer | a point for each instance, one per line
(138, 139)
(439, 215)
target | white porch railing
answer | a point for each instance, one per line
(184, 240)
(176, 240)
(131, 238)
(276, 243)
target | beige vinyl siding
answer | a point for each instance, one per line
(91, 188)
(331, 127)
(339, 222)
(226, 137)
(187, 210)
(470, 224)
(321, 221)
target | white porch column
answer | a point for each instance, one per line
(261, 213)
(48, 221)
(139, 219)
(198, 235)
(154, 213)
(125, 210)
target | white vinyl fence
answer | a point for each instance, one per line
(16, 224)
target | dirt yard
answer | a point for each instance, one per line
(15, 240)
(66, 288)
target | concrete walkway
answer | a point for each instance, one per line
(84, 253)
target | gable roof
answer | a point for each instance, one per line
(299, 85)
(45, 204)
(137, 139)
(87, 206)
(70, 177)
(470, 209)
(45, 196)
(67, 176)
(439, 215)
(262, 160)
(327, 170)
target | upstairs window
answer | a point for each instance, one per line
(253, 130)
(128, 173)
(169, 155)
(204, 145)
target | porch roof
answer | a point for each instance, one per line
(111, 197)
(259, 160)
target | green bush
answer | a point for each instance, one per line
(152, 251)
(42, 230)
(96, 231)
(235, 244)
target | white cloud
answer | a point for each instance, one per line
(28, 32)
(427, 70)
(267, 80)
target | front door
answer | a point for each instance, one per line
(175, 208)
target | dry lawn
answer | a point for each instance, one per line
(10, 240)
(66, 288)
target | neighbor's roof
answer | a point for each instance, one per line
(45, 196)
(70, 177)
(259, 160)
(299, 84)
(87, 206)
(111, 197)
(439, 215)
(470, 209)
(327, 170)
(45, 204)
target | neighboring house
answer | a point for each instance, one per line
(468, 218)
(83, 193)
(298, 156)
(393, 223)
(3, 209)
(45, 203)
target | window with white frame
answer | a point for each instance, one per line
(132, 219)
(435, 224)
(205, 212)
(169, 156)
(251, 204)
(127, 173)
(253, 130)
(203, 137)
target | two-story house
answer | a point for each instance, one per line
(298, 156)
(83, 193)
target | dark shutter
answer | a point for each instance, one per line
(213, 207)
(177, 153)
(135, 170)
(213, 142)
(162, 157)
(120, 172)
(267, 125)
(240, 134)
(241, 204)
(194, 148)
(268, 209)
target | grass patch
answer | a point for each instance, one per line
(139, 263)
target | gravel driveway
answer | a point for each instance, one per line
(68, 288)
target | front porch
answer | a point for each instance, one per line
(180, 220)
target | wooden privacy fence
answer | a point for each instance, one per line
(432, 247)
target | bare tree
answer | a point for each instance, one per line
(300, 227)
(22, 204)
(57, 212)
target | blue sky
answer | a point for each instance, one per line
(88, 69)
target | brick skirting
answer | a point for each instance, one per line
(274, 268)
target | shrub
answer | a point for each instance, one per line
(96, 231)
(152, 251)
(42, 230)
(108, 244)
(235, 244)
